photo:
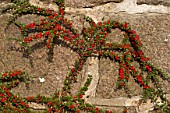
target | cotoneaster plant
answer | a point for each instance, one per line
(92, 43)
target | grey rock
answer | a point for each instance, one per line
(92, 70)
(154, 2)
(145, 107)
(120, 101)
(88, 3)
(36, 106)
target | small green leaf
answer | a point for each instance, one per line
(24, 44)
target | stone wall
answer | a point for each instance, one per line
(151, 20)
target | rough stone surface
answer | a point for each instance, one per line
(46, 5)
(36, 106)
(93, 69)
(130, 6)
(150, 29)
(108, 73)
(7, 1)
(88, 3)
(127, 6)
(153, 29)
(119, 101)
(1, 66)
(122, 101)
(150, 18)
(154, 2)
(145, 107)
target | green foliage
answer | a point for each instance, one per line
(55, 25)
